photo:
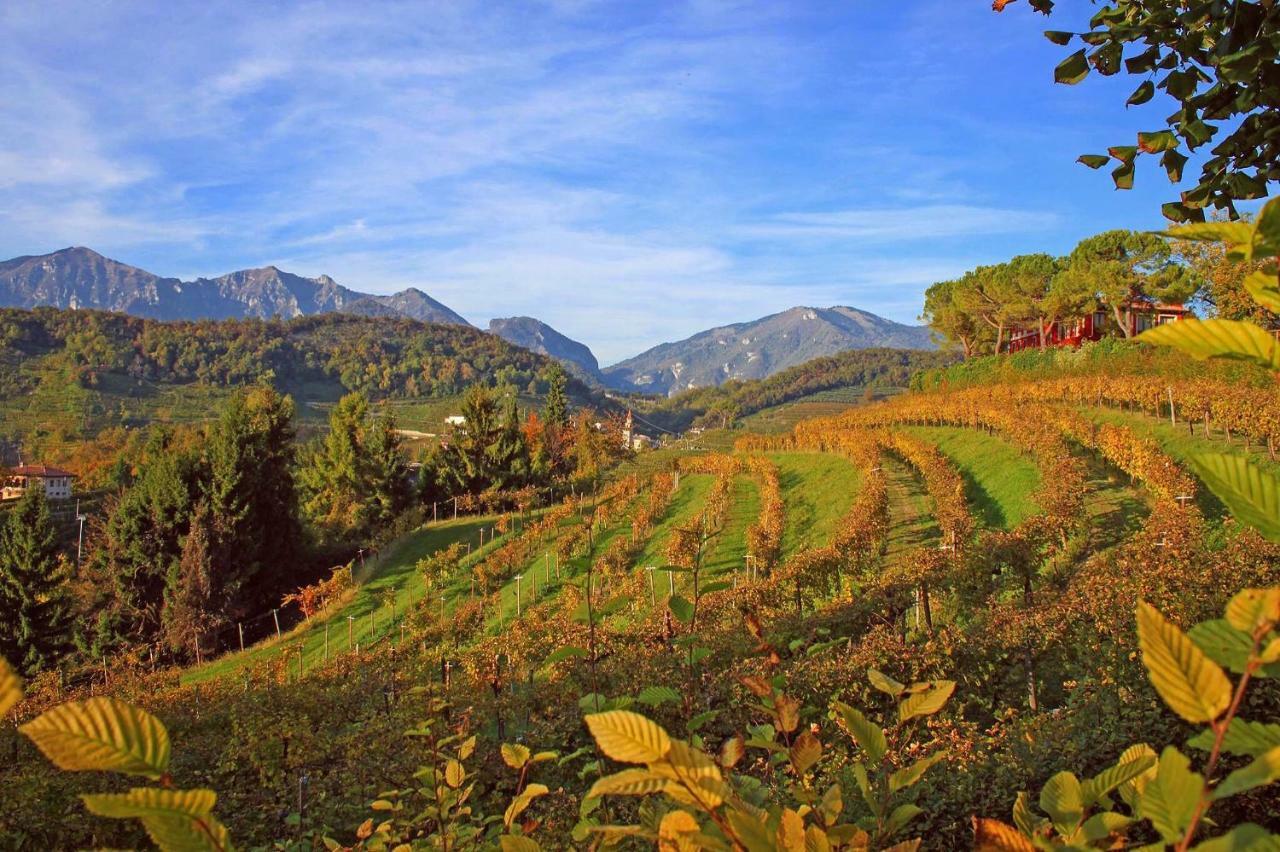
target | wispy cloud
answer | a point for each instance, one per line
(628, 172)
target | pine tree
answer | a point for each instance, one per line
(36, 628)
(557, 405)
(194, 597)
(388, 488)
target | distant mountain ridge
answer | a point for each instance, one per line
(537, 336)
(81, 278)
(760, 348)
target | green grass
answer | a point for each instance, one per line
(999, 478)
(911, 521)
(729, 549)
(393, 572)
(817, 490)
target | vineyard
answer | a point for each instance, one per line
(964, 560)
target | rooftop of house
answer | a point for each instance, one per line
(39, 471)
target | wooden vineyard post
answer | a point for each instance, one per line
(199, 661)
(241, 626)
(275, 613)
(1173, 417)
(373, 625)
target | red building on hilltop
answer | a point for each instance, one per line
(1139, 315)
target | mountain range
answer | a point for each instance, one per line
(82, 278)
(758, 349)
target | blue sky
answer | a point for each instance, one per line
(628, 172)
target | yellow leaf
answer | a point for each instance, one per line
(102, 734)
(1253, 608)
(732, 750)
(454, 774)
(791, 832)
(927, 702)
(521, 802)
(1264, 289)
(1252, 494)
(188, 834)
(805, 752)
(1218, 338)
(628, 737)
(515, 756)
(516, 843)
(629, 782)
(151, 801)
(991, 835)
(1191, 684)
(676, 830)
(10, 688)
(815, 840)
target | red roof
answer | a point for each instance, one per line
(40, 471)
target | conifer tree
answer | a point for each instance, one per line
(557, 405)
(36, 626)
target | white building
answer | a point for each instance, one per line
(56, 482)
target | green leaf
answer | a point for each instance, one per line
(1173, 162)
(1142, 94)
(926, 703)
(565, 653)
(654, 696)
(1252, 495)
(1251, 609)
(1093, 161)
(1124, 153)
(1156, 141)
(1130, 790)
(681, 608)
(1231, 233)
(868, 734)
(900, 816)
(101, 734)
(884, 683)
(1122, 175)
(628, 737)
(151, 801)
(1222, 643)
(1218, 338)
(518, 843)
(1191, 684)
(1027, 820)
(1170, 798)
(1246, 837)
(188, 834)
(10, 688)
(1063, 800)
(515, 756)
(908, 775)
(1104, 824)
(1266, 232)
(1264, 769)
(1109, 779)
(629, 782)
(1244, 738)
(1072, 70)
(1264, 289)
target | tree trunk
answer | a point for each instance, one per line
(1122, 320)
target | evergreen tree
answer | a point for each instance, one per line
(36, 626)
(509, 452)
(389, 492)
(331, 475)
(557, 405)
(194, 597)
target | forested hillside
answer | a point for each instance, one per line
(66, 376)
